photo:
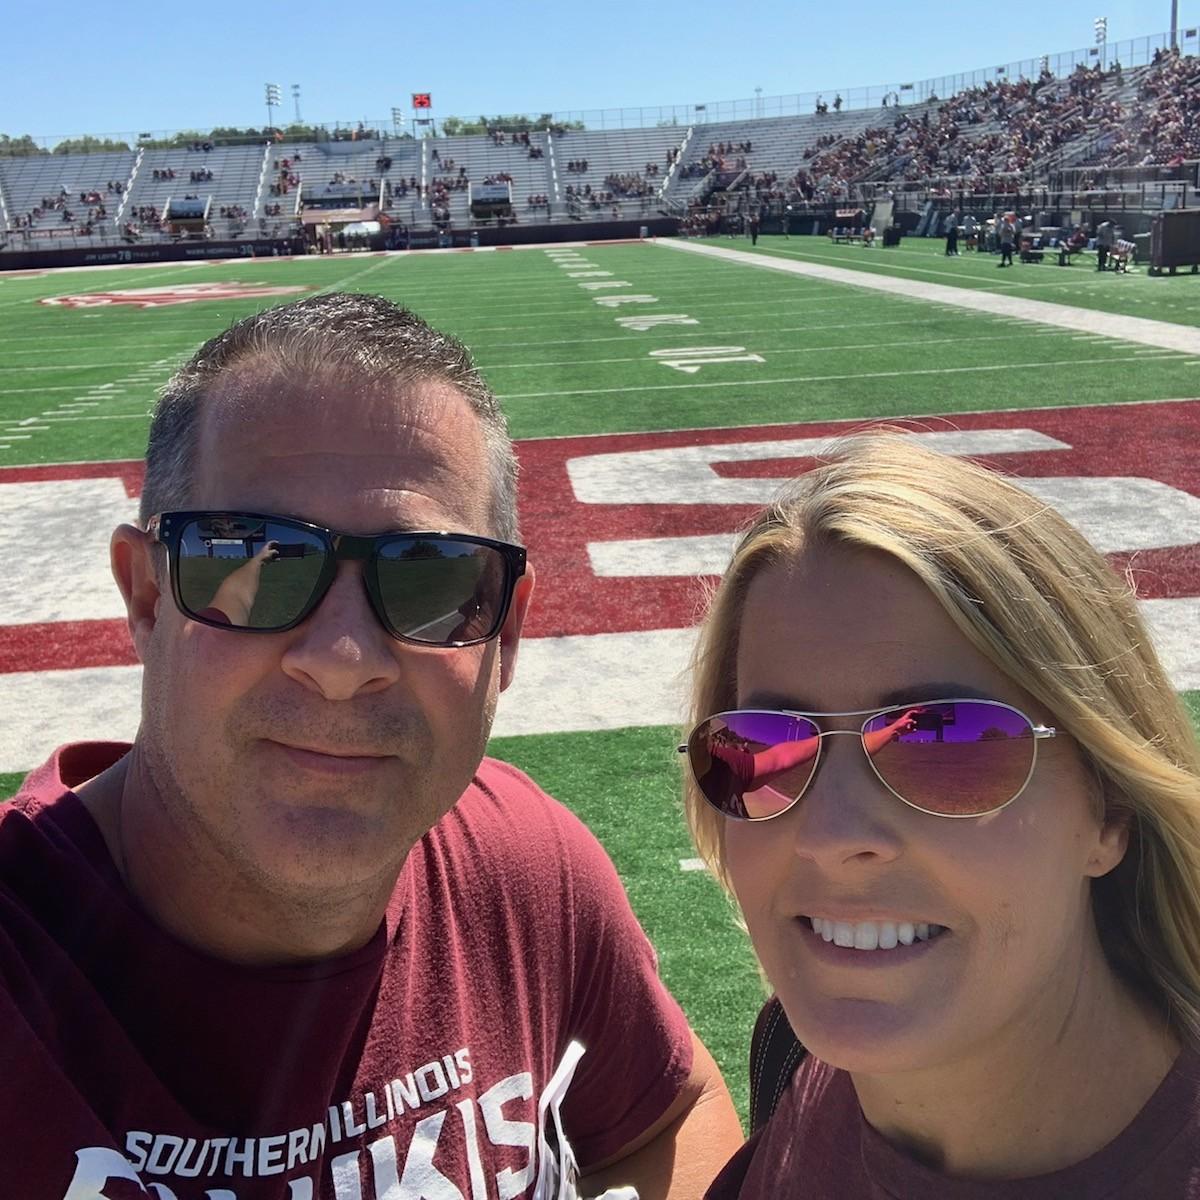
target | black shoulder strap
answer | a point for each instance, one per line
(775, 1053)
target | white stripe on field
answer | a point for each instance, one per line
(1114, 514)
(563, 685)
(684, 474)
(54, 534)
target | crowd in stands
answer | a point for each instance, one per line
(96, 211)
(618, 187)
(1166, 128)
(234, 212)
(721, 156)
(578, 166)
(165, 173)
(538, 200)
(142, 217)
(401, 188)
(286, 177)
(1010, 128)
(628, 186)
(500, 138)
(1024, 122)
(204, 175)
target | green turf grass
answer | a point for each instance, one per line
(624, 784)
(560, 361)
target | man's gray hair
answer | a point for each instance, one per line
(364, 337)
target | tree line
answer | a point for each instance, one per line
(24, 146)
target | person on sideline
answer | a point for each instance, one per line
(978, 897)
(301, 939)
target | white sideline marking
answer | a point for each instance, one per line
(684, 474)
(633, 679)
(1086, 320)
(692, 864)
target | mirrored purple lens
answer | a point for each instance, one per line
(956, 759)
(753, 765)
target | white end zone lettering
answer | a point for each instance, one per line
(685, 475)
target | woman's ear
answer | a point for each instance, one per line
(1111, 843)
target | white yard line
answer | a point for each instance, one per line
(746, 383)
(1142, 330)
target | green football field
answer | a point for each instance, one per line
(566, 359)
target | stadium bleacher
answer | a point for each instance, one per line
(990, 139)
(236, 171)
(41, 189)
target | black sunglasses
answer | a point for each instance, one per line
(266, 574)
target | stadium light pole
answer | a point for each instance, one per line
(1101, 26)
(272, 103)
(1174, 24)
(296, 98)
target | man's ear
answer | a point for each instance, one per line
(510, 634)
(131, 555)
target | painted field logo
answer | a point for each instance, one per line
(624, 530)
(182, 293)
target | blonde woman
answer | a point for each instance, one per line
(937, 763)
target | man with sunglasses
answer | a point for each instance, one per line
(301, 940)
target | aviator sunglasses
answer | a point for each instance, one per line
(266, 574)
(949, 758)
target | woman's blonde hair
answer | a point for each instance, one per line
(1040, 602)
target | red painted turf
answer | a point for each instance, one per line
(1157, 441)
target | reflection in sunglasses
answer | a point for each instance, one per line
(953, 758)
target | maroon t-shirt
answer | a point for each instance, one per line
(409, 1068)
(818, 1146)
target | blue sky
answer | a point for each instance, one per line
(179, 65)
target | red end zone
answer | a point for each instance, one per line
(1159, 441)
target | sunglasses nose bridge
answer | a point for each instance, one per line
(349, 547)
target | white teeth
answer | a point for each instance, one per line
(866, 936)
(873, 935)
